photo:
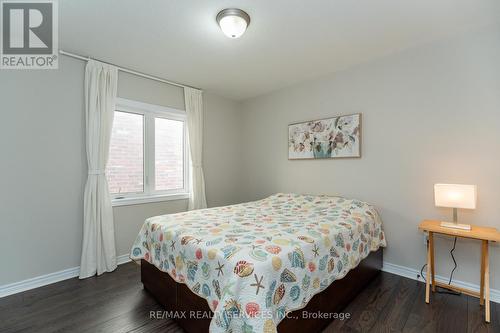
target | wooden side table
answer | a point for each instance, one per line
(484, 234)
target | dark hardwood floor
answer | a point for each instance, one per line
(116, 302)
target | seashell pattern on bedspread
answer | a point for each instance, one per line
(254, 262)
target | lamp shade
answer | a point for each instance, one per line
(455, 196)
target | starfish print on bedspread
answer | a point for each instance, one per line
(258, 283)
(219, 269)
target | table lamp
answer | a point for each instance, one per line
(455, 196)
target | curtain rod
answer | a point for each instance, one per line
(126, 70)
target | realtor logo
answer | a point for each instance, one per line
(29, 34)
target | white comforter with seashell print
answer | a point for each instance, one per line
(255, 261)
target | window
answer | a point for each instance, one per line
(148, 155)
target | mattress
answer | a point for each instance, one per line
(255, 262)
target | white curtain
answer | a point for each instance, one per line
(194, 111)
(98, 250)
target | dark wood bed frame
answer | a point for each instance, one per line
(177, 297)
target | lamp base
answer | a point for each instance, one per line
(456, 225)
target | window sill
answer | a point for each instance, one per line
(149, 199)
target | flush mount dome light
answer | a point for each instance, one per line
(233, 22)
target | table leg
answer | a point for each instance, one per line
(484, 245)
(431, 245)
(428, 278)
(486, 284)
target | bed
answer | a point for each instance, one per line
(250, 267)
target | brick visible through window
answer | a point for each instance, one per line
(169, 156)
(125, 170)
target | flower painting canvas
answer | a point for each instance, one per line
(326, 138)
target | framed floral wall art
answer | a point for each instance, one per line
(337, 137)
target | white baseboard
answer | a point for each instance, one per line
(413, 274)
(123, 259)
(43, 280)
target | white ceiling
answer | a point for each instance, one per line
(288, 41)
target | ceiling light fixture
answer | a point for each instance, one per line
(233, 22)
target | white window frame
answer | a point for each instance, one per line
(149, 113)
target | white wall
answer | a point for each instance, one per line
(43, 166)
(430, 114)
(42, 170)
(222, 154)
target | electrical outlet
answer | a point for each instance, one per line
(426, 239)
